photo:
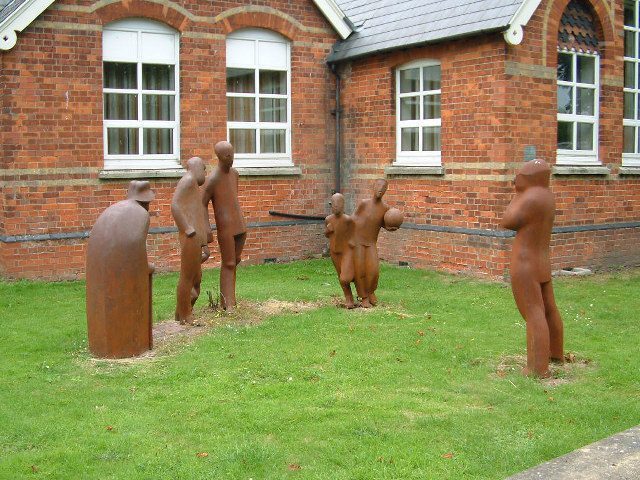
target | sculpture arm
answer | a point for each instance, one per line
(328, 228)
(207, 196)
(206, 253)
(178, 215)
(514, 216)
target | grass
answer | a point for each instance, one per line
(425, 386)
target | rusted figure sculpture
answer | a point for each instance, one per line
(531, 214)
(340, 228)
(221, 189)
(190, 215)
(369, 218)
(119, 277)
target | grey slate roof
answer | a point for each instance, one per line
(7, 7)
(389, 24)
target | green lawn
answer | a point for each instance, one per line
(418, 388)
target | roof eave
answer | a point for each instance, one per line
(515, 33)
(20, 19)
(335, 16)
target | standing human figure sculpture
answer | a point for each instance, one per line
(340, 229)
(119, 277)
(189, 215)
(531, 214)
(370, 216)
(221, 189)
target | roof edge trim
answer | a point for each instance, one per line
(515, 33)
(336, 17)
(19, 20)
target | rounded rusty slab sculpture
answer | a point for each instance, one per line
(339, 229)
(531, 214)
(369, 218)
(221, 189)
(119, 278)
(190, 216)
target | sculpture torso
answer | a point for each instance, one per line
(369, 219)
(189, 199)
(342, 231)
(222, 189)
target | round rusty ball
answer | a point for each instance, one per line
(393, 219)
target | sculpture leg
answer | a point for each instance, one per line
(195, 291)
(346, 277)
(230, 251)
(554, 321)
(372, 273)
(189, 268)
(528, 296)
(359, 255)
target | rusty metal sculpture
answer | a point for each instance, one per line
(340, 229)
(531, 214)
(189, 216)
(221, 189)
(119, 278)
(369, 218)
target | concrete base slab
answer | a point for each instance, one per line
(614, 458)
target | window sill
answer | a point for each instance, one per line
(580, 170)
(140, 174)
(629, 171)
(395, 170)
(290, 171)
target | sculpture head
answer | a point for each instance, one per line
(224, 152)
(535, 173)
(337, 204)
(140, 191)
(195, 165)
(380, 188)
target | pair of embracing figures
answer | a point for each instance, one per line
(353, 243)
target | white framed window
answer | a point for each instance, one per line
(631, 111)
(259, 98)
(141, 95)
(418, 114)
(578, 108)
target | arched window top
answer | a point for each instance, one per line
(258, 34)
(139, 39)
(579, 28)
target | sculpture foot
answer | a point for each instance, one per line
(556, 360)
(365, 303)
(350, 304)
(373, 299)
(188, 320)
(527, 372)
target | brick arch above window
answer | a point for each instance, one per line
(579, 29)
(603, 19)
(167, 13)
(261, 17)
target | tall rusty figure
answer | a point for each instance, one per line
(369, 218)
(189, 215)
(531, 214)
(221, 189)
(340, 229)
(119, 277)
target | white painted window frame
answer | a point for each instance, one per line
(417, 158)
(574, 156)
(633, 159)
(255, 160)
(143, 161)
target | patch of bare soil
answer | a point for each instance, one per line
(561, 373)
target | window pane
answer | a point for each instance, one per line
(409, 139)
(629, 139)
(122, 141)
(273, 109)
(158, 107)
(120, 75)
(158, 140)
(629, 44)
(243, 140)
(585, 136)
(431, 139)
(629, 74)
(410, 80)
(630, 13)
(273, 82)
(119, 106)
(273, 141)
(410, 108)
(565, 136)
(158, 77)
(431, 78)
(586, 69)
(585, 101)
(629, 105)
(431, 107)
(240, 80)
(565, 99)
(565, 67)
(241, 109)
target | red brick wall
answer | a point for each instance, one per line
(51, 86)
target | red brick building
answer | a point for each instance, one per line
(445, 99)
